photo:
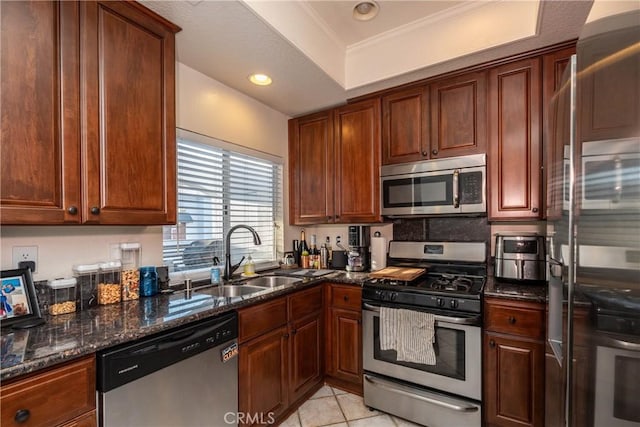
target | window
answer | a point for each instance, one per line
(221, 185)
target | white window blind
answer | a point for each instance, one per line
(220, 186)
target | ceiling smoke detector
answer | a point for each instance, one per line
(365, 11)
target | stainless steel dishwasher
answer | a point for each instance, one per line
(185, 377)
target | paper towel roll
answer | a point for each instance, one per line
(378, 253)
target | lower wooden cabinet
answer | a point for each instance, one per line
(61, 396)
(514, 363)
(262, 373)
(281, 344)
(344, 336)
(86, 420)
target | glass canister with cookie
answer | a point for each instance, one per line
(130, 276)
(109, 288)
(63, 296)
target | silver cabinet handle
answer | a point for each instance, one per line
(424, 396)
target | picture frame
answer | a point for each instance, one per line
(18, 301)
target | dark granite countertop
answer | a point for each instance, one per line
(534, 292)
(69, 336)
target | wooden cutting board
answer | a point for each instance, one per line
(398, 273)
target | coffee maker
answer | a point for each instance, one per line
(359, 257)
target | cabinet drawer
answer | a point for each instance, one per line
(347, 297)
(516, 318)
(257, 320)
(305, 302)
(52, 397)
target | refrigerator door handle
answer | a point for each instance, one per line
(556, 297)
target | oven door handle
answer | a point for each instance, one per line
(473, 320)
(399, 389)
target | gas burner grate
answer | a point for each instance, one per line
(452, 283)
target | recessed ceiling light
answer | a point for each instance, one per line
(260, 79)
(366, 10)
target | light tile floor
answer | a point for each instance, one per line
(337, 408)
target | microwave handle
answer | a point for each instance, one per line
(618, 180)
(456, 188)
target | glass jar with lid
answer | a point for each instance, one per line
(88, 277)
(130, 276)
(148, 281)
(63, 296)
(109, 289)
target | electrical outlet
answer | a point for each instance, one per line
(25, 253)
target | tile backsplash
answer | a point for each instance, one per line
(464, 229)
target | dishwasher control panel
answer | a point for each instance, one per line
(125, 363)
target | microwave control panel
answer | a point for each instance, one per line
(471, 188)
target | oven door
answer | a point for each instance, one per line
(617, 386)
(458, 365)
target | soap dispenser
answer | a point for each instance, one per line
(249, 267)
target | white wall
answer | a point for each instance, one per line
(204, 106)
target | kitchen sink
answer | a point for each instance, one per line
(271, 281)
(235, 290)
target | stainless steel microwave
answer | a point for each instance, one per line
(610, 175)
(455, 185)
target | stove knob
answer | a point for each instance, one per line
(393, 296)
(440, 302)
(454, 303)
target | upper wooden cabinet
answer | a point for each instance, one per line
(99, 147)
(357, 165)
(555, 118)
(39, 98)
(447, 118)
(311, 160)
(405, 126)
(459, 115)
(334, 165)
(609, 95)
(515, 150)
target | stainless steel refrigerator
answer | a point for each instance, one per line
(593, 231)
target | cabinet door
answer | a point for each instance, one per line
(513, 381)
(459, 115)
(128, 127)
(90, 419)
(346, 345)
(39, 99)
(306, 350)
(357, 174)
(514, 160)
(262, 374)
(608, 92)
(52, 397)
(311, 169)
(405, 126)
(556, 118)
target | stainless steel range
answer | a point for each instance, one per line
(446, 390)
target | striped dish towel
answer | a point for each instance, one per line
(416, 337)
(389, 326)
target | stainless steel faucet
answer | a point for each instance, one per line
(228, 268)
